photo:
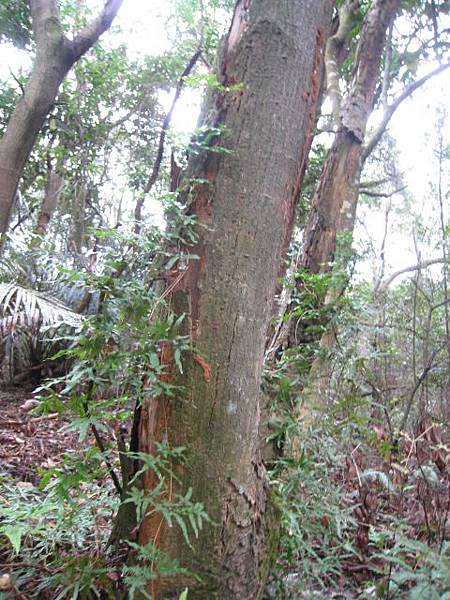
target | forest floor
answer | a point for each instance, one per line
(30, 442)
(395, 543)
(381, 488)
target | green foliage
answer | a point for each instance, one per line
(102, 139)
(46, 533)
(417, 570)
(178, 508)
(15, 22)
(105, 383)
(138, 576)
(108, 356)
(8, 99)
(29, 324)
(316, 523)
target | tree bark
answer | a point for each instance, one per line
(55, 55)
(336, 196)
(271, 59)
(55, 185)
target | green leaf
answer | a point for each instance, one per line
(14, 534)
(183, 594)
(179, 519)
(178, 360)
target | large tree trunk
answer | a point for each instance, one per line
(273, 52)
(55, 55)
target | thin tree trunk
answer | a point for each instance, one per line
(55, 55)
(273, 53)
(336, 196)
(55, 185)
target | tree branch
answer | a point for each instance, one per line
(428, 367)
(90, 34)
(364, 185)
(382, 286)
(162, 138)
(390, 110)
(332, 48)
(366, 192)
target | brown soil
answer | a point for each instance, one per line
(29, 441)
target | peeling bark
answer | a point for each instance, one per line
(247, 206)
(336, 195)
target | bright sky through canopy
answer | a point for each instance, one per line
(145, 31)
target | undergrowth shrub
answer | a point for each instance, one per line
(55, 538)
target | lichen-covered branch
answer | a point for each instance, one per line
(334, 45)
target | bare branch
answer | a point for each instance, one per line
(364, 185)
(17, 80)
(382, 286)
(428, 367)
(388, 113)
(162, 138)
(366, 192)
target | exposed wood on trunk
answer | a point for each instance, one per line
(247, 205)
(55, 55)
(336, 195)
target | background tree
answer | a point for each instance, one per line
(55, 56)
(353, 61)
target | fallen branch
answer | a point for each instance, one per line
(33, 420)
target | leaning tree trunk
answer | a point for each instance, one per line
(271, 60)
(336, 195)
(55, 55)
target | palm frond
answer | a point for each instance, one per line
(21, 307)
